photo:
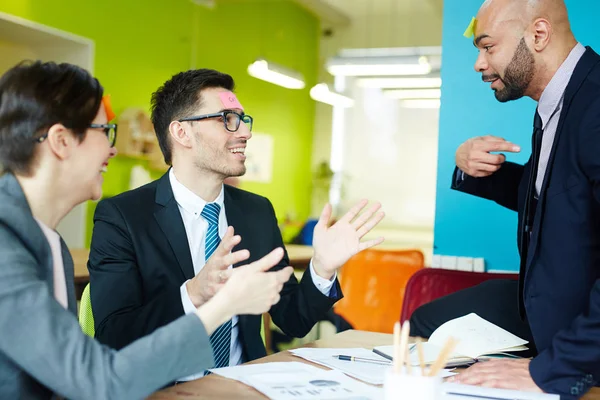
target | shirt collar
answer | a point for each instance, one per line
(553, 93)
(188, 200)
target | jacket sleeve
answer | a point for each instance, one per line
(121, 312)
(302, 305)
(45, 340)
(501, 187)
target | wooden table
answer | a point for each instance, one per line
(300, 256)
(218, 387)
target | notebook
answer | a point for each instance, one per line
(478, 340)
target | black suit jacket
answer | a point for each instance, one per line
(140, 257)
(560, 290)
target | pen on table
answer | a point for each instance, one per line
(360, 359)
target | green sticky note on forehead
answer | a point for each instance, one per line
(470, 31)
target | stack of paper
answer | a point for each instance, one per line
(298, 381)
(454, 391)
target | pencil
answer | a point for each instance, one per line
(403, 343)
(408, 362)
(442, 358)
(396, 357)
(421, 358)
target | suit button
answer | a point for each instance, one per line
(589, 378)
(574, 391)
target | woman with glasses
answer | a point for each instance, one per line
(55, 143)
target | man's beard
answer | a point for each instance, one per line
(517, 76)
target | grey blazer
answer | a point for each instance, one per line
(43, 352)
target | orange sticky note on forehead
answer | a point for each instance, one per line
(107, 107)
(229, 100)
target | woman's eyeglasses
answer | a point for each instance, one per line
(110, 130)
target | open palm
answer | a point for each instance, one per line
(335, 244)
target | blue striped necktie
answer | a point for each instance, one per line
(220, 340)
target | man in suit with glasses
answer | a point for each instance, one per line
(156, 252)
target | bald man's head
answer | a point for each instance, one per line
(520, 14)
(516, 39)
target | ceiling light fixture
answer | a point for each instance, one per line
(378, 66)
(276, 74)
(401, 83)
(413, 93)
(320, 92)
(421, 103)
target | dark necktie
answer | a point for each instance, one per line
(530, 202)
(531, 198)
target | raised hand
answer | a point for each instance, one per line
(335, 244)
(474, 159)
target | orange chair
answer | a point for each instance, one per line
(373, 284)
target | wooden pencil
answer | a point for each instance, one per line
(443, 357)
(396, 353)
(421, 358)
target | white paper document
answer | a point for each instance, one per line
(366, 372)
(299, 381)
(455, 391)
(478, 339)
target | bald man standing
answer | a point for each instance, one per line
(526, 48)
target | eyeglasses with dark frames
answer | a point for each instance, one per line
(231, 119)
(110, 130)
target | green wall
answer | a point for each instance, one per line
(140, 44)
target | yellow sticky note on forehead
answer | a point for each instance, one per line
(470, 31)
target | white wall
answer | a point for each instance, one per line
(390, 155)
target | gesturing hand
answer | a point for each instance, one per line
(336, 244)
(474, 159)
(216, 271)
(251, 289)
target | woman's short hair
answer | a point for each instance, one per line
(36, 95)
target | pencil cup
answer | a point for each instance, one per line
(413, 387)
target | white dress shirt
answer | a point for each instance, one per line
(190, 206)
(60, 284)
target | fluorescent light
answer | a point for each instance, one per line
(320, 92)
(413, 93)
(401, 83)
(421, 103)
(378, 66)
(276, 74)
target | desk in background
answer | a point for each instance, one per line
(214, 386)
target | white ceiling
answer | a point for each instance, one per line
(388, 23)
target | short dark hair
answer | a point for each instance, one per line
(36, 95)
(179, 97)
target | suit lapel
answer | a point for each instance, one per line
(69, 276)
(169, 220)
(235, 218)
(588, 61)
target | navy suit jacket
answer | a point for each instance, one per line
(140, 257)
(560, 288)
